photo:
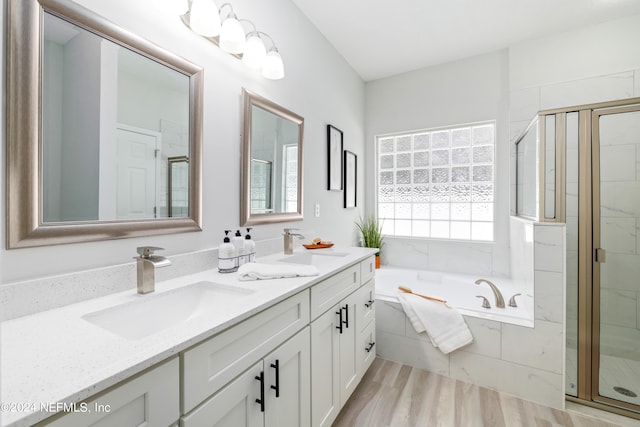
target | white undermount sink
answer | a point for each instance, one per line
(311, 257)
(152, 313)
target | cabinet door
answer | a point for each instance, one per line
(233, 406)
(150, 399)
(325, 388)
(348, 370)
(288, 383)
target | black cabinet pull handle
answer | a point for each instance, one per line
(261, 400)
(339, 327)
(369, 303)
(346, 322)
(276, 387)
(371, 344)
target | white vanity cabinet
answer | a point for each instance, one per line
(294, 363)
(337, 360)
(253, 374)
(150, 398)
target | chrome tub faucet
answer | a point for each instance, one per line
(496, 292)
(147, 263)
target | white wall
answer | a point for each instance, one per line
(470, 90)
(607, 48)
(318, 85)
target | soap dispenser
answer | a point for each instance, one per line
(238, 244)
(249, 248)
(226, 255)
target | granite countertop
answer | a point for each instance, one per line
(57, 356)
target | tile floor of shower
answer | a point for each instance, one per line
(614, 372)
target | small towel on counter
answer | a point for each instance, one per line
(257, 271)
(445, 326)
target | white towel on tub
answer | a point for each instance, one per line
(258, 271)
(444, 325)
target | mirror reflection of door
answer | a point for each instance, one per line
(261, 186)
(178, 185)
(137, 170)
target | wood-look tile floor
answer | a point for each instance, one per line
(396, 395)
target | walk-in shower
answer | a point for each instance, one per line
(581, 165)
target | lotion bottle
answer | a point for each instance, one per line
(249, 248)
(226, 255)
(238, 243)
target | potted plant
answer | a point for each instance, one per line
(372, 237)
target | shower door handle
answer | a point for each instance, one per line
(600, 255)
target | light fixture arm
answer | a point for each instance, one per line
(273, 44)
(230, 14)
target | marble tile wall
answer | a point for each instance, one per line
(620, 231)
(526, 362)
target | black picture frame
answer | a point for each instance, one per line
(335, 163)
(350, 179)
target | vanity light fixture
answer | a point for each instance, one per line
(204, 18)
(222, 27)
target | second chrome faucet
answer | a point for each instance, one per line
(288, 239)
(496, 292)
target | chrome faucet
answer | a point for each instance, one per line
(496, 292)
(288, 240)
(147, 264)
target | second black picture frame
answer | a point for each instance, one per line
(350, 179)
(335, 166)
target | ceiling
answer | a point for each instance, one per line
(380, 39)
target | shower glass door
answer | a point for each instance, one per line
(616, 247)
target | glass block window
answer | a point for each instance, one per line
(438, 183)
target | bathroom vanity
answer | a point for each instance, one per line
(204, 349)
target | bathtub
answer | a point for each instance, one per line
(460, 291)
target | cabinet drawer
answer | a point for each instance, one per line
(366, 348)
(151, 398)
(368, 269)
(331, 291)
(212, 364)
(365, 304)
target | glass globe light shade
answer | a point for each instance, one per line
(254, 51)
(232, 38)
(178, 7)
(273, 67)
(204, 18)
